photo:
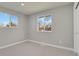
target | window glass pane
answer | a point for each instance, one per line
(14, 20)
(41, 23)
(4, 19)
(48, 23)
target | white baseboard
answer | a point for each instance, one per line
(12, 44)
(52, 45)
(38, 42)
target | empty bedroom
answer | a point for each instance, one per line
(38, 29)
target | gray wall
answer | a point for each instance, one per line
(63, 21)
(7, 35)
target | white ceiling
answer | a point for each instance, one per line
(32, 7)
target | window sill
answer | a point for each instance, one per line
(2, 28)
(45, 31)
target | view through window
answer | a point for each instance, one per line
(45, 23)
(7, 20)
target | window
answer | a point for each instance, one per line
(7, 20)
(45, 24)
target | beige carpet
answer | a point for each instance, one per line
(33, 49)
